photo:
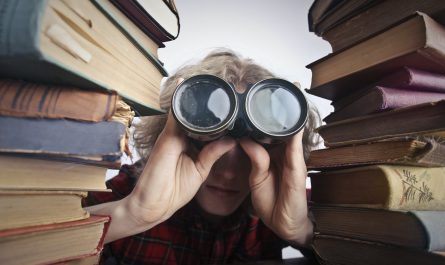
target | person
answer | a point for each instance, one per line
(232, 200)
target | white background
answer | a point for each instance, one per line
(274, 33)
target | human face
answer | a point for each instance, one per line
(227, 185)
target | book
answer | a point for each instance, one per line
(158, 19)
(319, 9)
(25, 99)
(100, 143)
(25, 173)
(381, 186)
(414, 151)
(405, 78)
(375, 18)
(340, 250)
(87, 260)
(22, 208)
(129, 29)
(423, 230)
(53, 243)
(379, 99)
(341, 12)
(418, 119)
(416, 41)
(73, 43)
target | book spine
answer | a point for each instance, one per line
(415, 188)
(61, 137)
(19, 27)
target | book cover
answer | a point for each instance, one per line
(54, 42)
(423, 230)
(47, 244)
(158, 19)
(341, 250)
(100, 142)
(418, 119)
(24, 99)
(22, 208)
(405, 78)
(379, 98)
(376, 18)
(417, 151)
(381, 186)
(25, 173)
(417, 41)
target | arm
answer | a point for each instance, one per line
(278, 187)
(169, 180)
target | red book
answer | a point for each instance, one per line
(379, 98)
(158, 19)
(47, 244)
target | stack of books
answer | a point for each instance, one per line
(72, 75)
(378, 188)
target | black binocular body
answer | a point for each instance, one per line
(206, 107)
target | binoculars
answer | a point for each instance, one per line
(206, 107)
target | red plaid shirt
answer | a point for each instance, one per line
(187, 238)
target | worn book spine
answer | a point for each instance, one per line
(24, 99)
(393, 187)
(381, 99)
(61, 137)
(418, 119)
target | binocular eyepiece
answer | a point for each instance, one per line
(206, 107)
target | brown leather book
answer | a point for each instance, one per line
(24, 99)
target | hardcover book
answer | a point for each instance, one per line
(24, 99)
(405, 78)
(340, 250)
(73, 43)
(417, 151)
(424, 119)
(423, 230)
(47, 244)
(22, 208)
(375, 18)
(416, 41)
(19, 172)
(158, 19)
(100, 143)
(381, 186)
(379, 98)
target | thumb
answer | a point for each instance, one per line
(212, 152)
(259, 159)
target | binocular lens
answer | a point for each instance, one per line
(202, 105)
(274, 109)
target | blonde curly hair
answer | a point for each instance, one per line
(229, 66)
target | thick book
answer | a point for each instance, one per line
(375, 18)
(86, 260)
(378, 99)
(422, 119)
(381, 186)
(18, 173)
(22, 208)
(47, 244)
(335, 250)
(24, 99)
(74, 43)
(424, 230)
(99, 143)
(416, 41)
(405, 78)
(426, 152)
(319, 9)
(158, 19)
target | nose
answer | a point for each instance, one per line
(233, 164)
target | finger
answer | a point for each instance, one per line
(294, 152)
(212, 152)
(259, 159)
